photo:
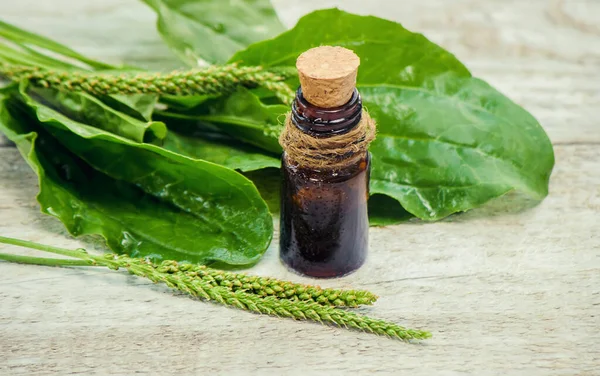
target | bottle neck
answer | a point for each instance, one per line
(326, 122)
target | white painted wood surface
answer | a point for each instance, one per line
(508, 289)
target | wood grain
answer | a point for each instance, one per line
(512, 288)
(502, 290)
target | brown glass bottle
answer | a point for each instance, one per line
(324, 223)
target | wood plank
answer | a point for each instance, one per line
(510, 288)
(505, 287)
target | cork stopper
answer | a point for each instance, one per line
(328, 75)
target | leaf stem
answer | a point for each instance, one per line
(80, 254)
(44, 261)
(202, 283)
(261, 286)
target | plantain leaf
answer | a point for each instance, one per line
(221, 150)
(145, 200)
(208, 30)
(384, 211)
(26, 56)
(27, 40)
(268, 183)
(20, 51)
(89, 110)
(139, 106)
(241, 115)
(447, 142)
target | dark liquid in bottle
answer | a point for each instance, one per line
(324, 222)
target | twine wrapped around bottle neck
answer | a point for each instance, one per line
(334, 152)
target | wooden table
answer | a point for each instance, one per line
(510, 288)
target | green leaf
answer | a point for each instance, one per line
(89, 110)
(139, 106)
(145, 200)
(16, 50)
(447, 142)
(385, 211)
(220, 150)
(268, 183)
(185, 103)
(25, 56)
(243, 116)
(389, 53)
(28, 39)
(212, 31)
(473, 145)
